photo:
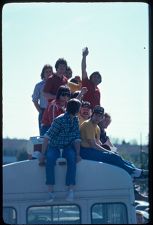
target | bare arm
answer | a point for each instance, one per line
(81, 94)
(44, 147)
(83, 63)
(108, 142)
(95, 145)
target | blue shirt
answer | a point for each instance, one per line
(63, 131)
(38, 94)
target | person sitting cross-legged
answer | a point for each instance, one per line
(91, 146)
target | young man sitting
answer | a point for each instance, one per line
(63, 134)
(91, 146)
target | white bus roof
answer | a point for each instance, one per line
(28, 177)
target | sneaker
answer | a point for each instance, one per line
(143, 175)
(139, 196)
(51, 197)
(70, 196)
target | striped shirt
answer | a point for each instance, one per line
(63, 131)
(38, 94)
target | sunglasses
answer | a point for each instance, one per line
(65, 94)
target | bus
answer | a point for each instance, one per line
(104, 194)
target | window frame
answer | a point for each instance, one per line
(51, 207)
(105, 203)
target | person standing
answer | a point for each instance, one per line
(93, 94)
(38, 98)
(63, 134)
(55, 81)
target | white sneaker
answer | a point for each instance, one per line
(70, 196)
(51, 197)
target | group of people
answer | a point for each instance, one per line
(72, 119)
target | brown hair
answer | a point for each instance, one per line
(47, 66)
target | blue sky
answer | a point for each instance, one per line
(116, 35)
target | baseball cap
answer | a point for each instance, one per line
(98, 109)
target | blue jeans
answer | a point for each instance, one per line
(51, 156)
(107, 157)
(40, 119)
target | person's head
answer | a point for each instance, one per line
(73, 106)
(63, 93)
(75, 94)
(76, 80)
(61, 66)
(96, 78)
(104, 123)
(97, 114)
(85, 110)
(46, 72)
(73, 80)
(68, 73)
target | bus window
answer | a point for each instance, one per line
(65, 214)
(109, 213)
(9, 215)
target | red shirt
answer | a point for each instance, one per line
(53, 110)
(93, 93)
(53, 83)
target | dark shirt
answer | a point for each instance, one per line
(103, 136)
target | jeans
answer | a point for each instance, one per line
(40, 119)
(106, 157)
(51, 156)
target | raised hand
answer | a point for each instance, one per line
(85, 51)
(84, 90)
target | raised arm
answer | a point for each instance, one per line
(82, 92)
(85, 52)
(44, 147)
